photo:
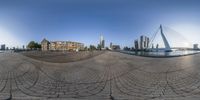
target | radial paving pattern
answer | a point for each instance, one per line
(109, 76)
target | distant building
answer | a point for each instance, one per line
(195, 47)
(45, 44)
(102, 42)
(115, 47)
(136, 43)
(3, 47)
(152, 46)
(61, 45)
(146, 43)
(142, 43)
(23, 47)
(110, 45)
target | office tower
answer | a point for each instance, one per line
(195, 47)
(141, 42)
(110, 45)
(136, 44)
(144, 42)
(102, 42)
(3, 47)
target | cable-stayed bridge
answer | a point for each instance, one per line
(167, 39)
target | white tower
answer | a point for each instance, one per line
(167, 46)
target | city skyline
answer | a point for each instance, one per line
(120, 22)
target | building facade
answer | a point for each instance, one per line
(45, 45)
(61, 45)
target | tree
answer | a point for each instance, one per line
(132, 48)
(85, 48)
(33, 45)
(92, 47)
(99, 47)
(37, 45)
(126, 48)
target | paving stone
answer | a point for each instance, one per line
(107, 76)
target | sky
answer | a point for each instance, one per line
(119, 21)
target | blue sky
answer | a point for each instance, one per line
(119, 21)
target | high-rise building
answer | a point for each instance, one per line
(23, 47)
(142, 40)
(3, 47)
(195, 47)
(142, 43)
(136, 44)
(102, 42)
(146, 42)
(110, 45)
